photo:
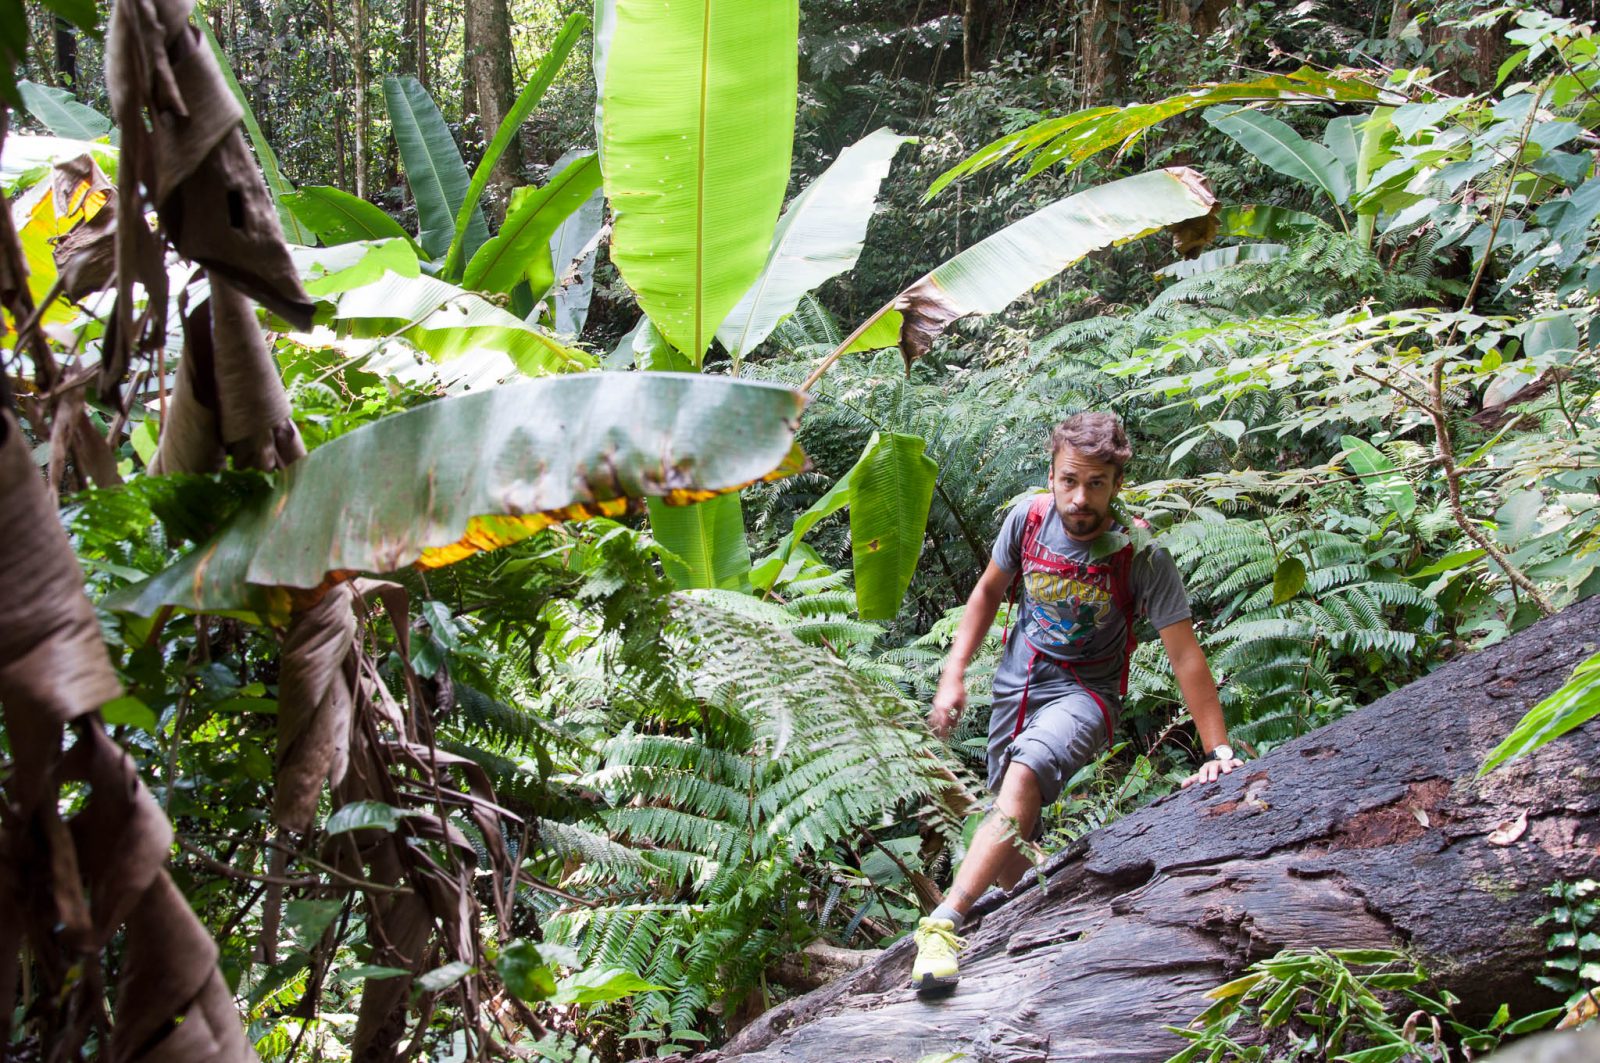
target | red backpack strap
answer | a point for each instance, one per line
(1038, 506)
(1122, 594)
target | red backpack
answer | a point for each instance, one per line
(1117, 567)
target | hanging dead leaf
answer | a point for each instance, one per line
(86, 256)
(1509, 830)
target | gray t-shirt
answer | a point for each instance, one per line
(1074, 616)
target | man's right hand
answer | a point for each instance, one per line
(948, 704)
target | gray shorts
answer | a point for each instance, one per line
(1065, 730)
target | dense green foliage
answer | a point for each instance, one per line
(1366, 425)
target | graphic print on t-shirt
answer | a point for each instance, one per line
(1067, 600)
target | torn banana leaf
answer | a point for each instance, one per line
(475, 472)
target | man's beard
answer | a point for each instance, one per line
(1084, 521)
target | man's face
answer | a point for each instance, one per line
(1083, 490)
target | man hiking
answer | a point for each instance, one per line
(1060, 680)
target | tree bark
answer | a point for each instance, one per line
(1099, 57)
(1372, 832)
(489, 84)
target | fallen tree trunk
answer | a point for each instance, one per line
(1372, 832)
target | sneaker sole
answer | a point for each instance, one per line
(933, 984)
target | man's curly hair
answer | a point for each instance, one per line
(1098, 436)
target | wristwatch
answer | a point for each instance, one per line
(1223, 752)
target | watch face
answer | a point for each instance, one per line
(1222, 752)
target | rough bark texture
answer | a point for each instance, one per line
(490, 83)
(1371, 832)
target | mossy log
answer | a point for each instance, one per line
(1372, 832)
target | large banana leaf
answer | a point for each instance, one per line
(61, 113)
(520, 110)
(1286, 151)
(337, 217)
(819, 237)
(987, 276)
(271, 172)
(705, 542)
(699, 105)
(573, 248)
(1075, 138)
(461, 475)
(521, 249)
(434, 170)
(890, 491)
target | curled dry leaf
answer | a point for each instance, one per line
(1510, 830)
(86, 257)
(229, 399)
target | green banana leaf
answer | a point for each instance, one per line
(434, 170)
(520, 251)
(60, 112)
(446, 322)
(1286, 151)
(337, 217)
(1076, 138)
(987, 276)
(890, 491)
(271, 172)
(696, 142)
(520, 110)
(461, 475)
(705, 541)
(573, 249)
(819, 237)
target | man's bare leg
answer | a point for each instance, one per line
(994, 856)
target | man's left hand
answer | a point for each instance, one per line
(1212, 770)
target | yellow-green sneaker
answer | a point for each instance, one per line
(935, 968)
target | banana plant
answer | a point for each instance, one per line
(474, 472)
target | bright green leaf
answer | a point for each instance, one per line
(337, 217)
(697, 138)
(442, 978)
(361, 815)
(599, 985)
(521, 249)
(1288, 580)
(1274, 143)
(706, 539)
(130, 711)
(1378, 473)
(819, 236)
(61, 113)
(890, 491)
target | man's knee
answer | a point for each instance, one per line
(1019, 792)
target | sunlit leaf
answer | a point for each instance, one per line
(696, 146)
(819, 236)
(474, 472)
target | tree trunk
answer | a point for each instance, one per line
(489, 84)
(1099, 57)
(358, 58)
(1371, 832)
(66, 55)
